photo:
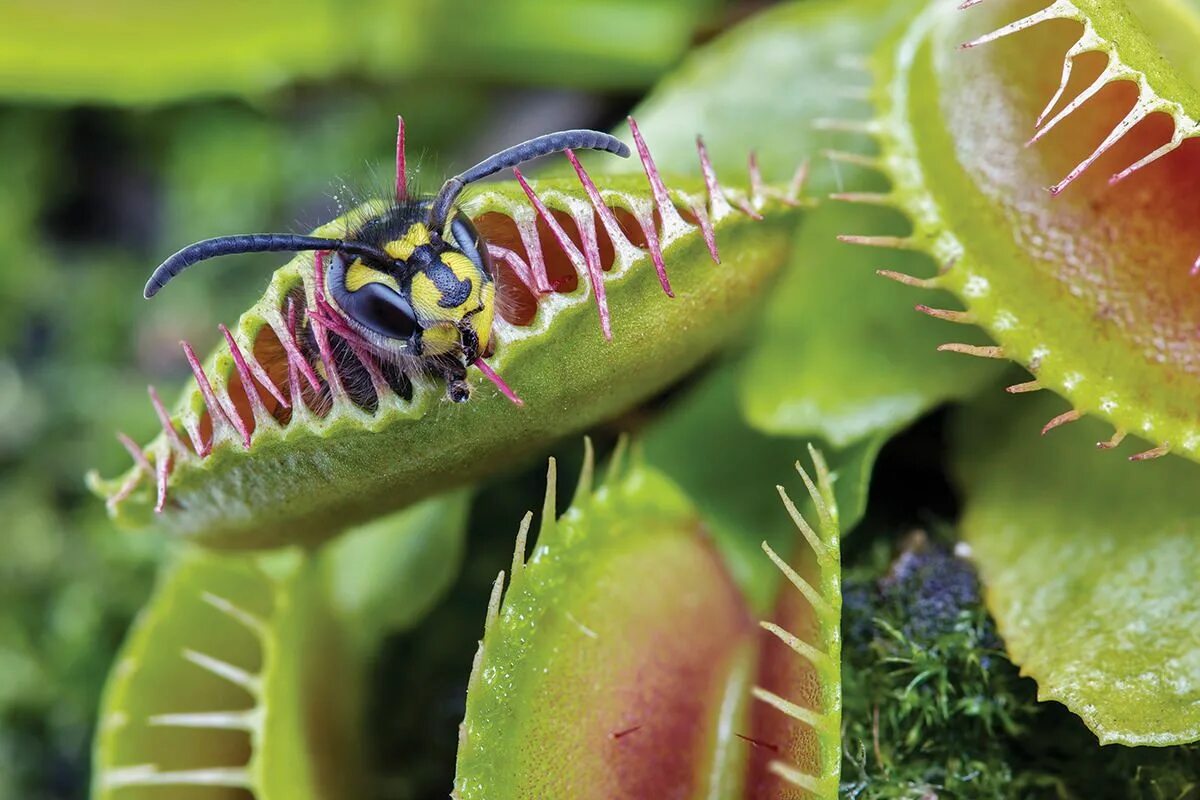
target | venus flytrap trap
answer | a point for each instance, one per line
(294, 427)
(605, 670)
(244, 676)
(1087, 285)
(213, 690)
(805, 684)
(623, 661)
(1090, 573)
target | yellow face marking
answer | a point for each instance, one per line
(402, 248)
(359, 275)
(463, 269)
(482, 319)
(439, 339)
(425, 297)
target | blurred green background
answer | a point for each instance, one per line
(130, 128)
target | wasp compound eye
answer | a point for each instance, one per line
(381, 310)
(372, 303)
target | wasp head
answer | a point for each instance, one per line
(429, 296)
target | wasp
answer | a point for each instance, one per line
(414, 284)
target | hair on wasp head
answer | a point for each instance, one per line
(414, 283)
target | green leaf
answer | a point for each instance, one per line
(314, 470)
(134, 51)
(1090, 565)
(799, 680)
(225, 678)
(840, 354)
(762, 85)
(589, 43)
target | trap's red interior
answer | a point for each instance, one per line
(516, 303)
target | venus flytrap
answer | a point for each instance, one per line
(1044, 156)
(245, 675)
(282, 438)
(1083, 282)
(213, 688)
(1089, 566)
(803, 681)
(622, 660)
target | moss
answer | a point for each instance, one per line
(933, 708)
(931, 700)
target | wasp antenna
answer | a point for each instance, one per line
(515, 156)
(251, 243)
